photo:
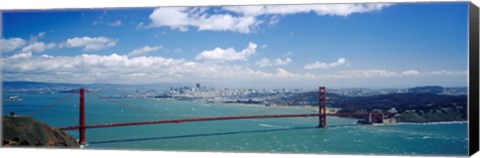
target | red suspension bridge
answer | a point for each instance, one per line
(322, 116)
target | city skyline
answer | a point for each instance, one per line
(341, 45)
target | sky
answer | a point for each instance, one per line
(369, 45)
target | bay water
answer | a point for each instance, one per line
(277, 135)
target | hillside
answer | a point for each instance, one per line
(420, 105)
(28, 132)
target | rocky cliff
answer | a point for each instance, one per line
(27, 132)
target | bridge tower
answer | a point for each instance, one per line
(322, 107)
(82, 130)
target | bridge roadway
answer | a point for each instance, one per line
(200, 119)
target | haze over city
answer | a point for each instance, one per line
(373, 45)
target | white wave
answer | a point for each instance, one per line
(445, 122)
(426, 137)
(272, 126)
(429, 123)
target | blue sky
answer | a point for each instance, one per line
(376, 45)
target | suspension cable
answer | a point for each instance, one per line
(130, 106)
(52, 104)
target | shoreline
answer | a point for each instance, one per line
(433, 122)
(305, 107)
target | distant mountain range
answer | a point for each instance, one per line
(28, 84)
(48, 85)
(426, 89)
(38, 85)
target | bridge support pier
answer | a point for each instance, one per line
(322, 107)
(370, 118)
(82, 130)
(382, 118)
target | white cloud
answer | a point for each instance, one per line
(264, 62)
(246, 19)
(41, 34)
(21, 55)
(182, 18)
(35, 38)
(140, 26)
(227, 22)
(275, 19)
(173, 17)
(32, 46)
(446, 72)
(410, 73)
(11, 44)
(144, 50)
(38, 47)
(114, 68)
(115, 23)
(324, 9)
(90, 43)
(46, 56)
(228, 54)
(323, 65)
(89, 67)
(282, 73)
(361, 74)
(35, 46)
(279, 62)
(355, 74)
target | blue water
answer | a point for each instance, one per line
(285, 135)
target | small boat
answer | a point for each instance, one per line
(14, 98)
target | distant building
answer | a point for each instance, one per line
(392, 110)
(198, 86)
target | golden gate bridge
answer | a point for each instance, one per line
(322, 116)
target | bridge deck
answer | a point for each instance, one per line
(207, 119)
